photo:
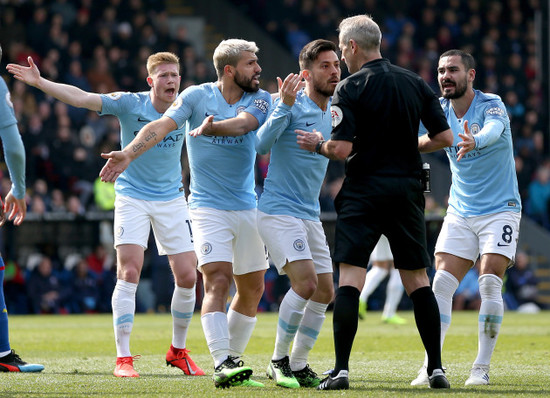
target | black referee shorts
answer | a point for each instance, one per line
(393, 206)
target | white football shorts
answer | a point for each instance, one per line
(382, 251)
(230, 236)
(170, 221)
(290, 239)
(469, 237)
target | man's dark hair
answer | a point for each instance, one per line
(467, 59)
(311, 51)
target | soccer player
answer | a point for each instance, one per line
(14, 209)
(149, 193)
(376, 112)
(288, 210)
(223, 117)
(382, 265)
(484, 209)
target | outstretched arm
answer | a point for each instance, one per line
(241, 124)
(150, 135)
(63, 92)
(428, 144)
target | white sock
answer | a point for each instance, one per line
(214, 325)
(291, 313)
(182, 308)
(309, 329)
(394, 292)
(444, 287)
(490, 317)
(124, 307)
(374, 277)
(240, 331)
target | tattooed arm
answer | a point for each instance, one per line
(150, 135)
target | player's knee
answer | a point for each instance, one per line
(305, 288)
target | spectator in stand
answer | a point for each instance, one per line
(539, 196)
(46, 291)
(467, 296)
(85, 289)
(521, 283)
(99, 260)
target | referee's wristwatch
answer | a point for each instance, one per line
(319, 146)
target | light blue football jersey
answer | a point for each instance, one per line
(14, 151)
(222, 168)
(294, 176)
(484, 181)
(7, 114)
(156, 174)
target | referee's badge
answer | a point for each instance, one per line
(337, 115)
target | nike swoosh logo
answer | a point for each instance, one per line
(498, 244)
(143, 120)
(189, 368)
(208, 114)
(310, 124)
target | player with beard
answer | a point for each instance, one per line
(149, 193)
(484, 210)
(222, 200)
(288, 210)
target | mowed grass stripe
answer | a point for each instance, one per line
(79, 354)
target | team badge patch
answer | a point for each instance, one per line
(177, 103)
(475, 128)
(299, 245)
(337, 115)
(115, 96)
(261, 104)
(206, 248)
(119, 232)
(241, 109)
(496, 111)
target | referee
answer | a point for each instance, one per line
(376, 114)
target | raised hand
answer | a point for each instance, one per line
(290, 87)
(467, 144)
(27, 74)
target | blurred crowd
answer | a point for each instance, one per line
(102, 46)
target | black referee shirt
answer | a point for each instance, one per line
(379, 109)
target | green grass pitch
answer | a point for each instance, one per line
(79, 355)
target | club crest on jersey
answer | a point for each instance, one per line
(119, 232)
(206, 248)
(115, 96)
(475, 128)
(241, 109)
(299, 245)
(8, 100)
(337, 115)
(495, 110)
(261, 105)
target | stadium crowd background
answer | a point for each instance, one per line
(102, 46)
